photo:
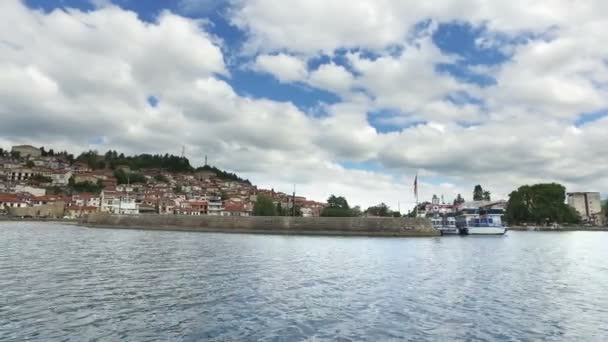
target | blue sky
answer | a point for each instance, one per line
(452, 38)
(334, 97)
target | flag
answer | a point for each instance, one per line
(416, 186)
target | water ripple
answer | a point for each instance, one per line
(70, 283)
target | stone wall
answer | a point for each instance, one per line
(375, 226)
(54, 210)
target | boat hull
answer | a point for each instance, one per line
(486, 230)
(449, 231)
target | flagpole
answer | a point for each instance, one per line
(416, 193)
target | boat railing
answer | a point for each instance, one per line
(484, 224)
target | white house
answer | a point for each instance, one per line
(118, 204)
(30, 190)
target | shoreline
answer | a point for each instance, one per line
(158, 226)
(560, 229)
(278, 225)
(333, 233)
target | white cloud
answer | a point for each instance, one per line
(72, 79)
(285, 68)
(332, 77)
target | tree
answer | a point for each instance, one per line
(605, 208)
(281, 211)
(356, 211)
(486, 196)
(337, 202)
(381, 210)
(85, 186)
(129, 178)
(396, 214)
(411, 213)
(30, 164)
(161, 179)
(458, 199)
(223, 174)
(337, 206)
(478, 193)
(264, 207)
(224, 196)
(41, 179)
(540, 204)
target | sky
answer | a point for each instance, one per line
(352, 98)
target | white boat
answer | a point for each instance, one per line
(483, 220)
(446, 225)
(486, 230)
(449, 230)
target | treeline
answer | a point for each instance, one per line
(264, 206)
(112, 159)
(221, 174)
(337, 206)
(172, 163)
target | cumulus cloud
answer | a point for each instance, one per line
(76, 80)
(285, 68)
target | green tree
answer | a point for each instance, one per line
(540, 204)
(264, 207)
(41, 179)
(223, 174)
(280, 210)
(478, 193)
(337, 206)
(458, 199)
(123, 177)
(337, 202)
(486, 196)
(85, 186)
(30, 164)
(92, 159)
(161, 178)
(381, 210)
(412, 213)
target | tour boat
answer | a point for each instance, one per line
(483, 220)
(446, 225)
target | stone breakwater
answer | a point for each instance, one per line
(364, 226)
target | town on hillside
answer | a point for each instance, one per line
(39, 183)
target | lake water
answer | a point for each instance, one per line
(60, 282)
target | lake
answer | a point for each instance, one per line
(63, 282)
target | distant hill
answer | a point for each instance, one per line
(223, 174)
(169, 162)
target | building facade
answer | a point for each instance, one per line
(27, 151)
(588, 205)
